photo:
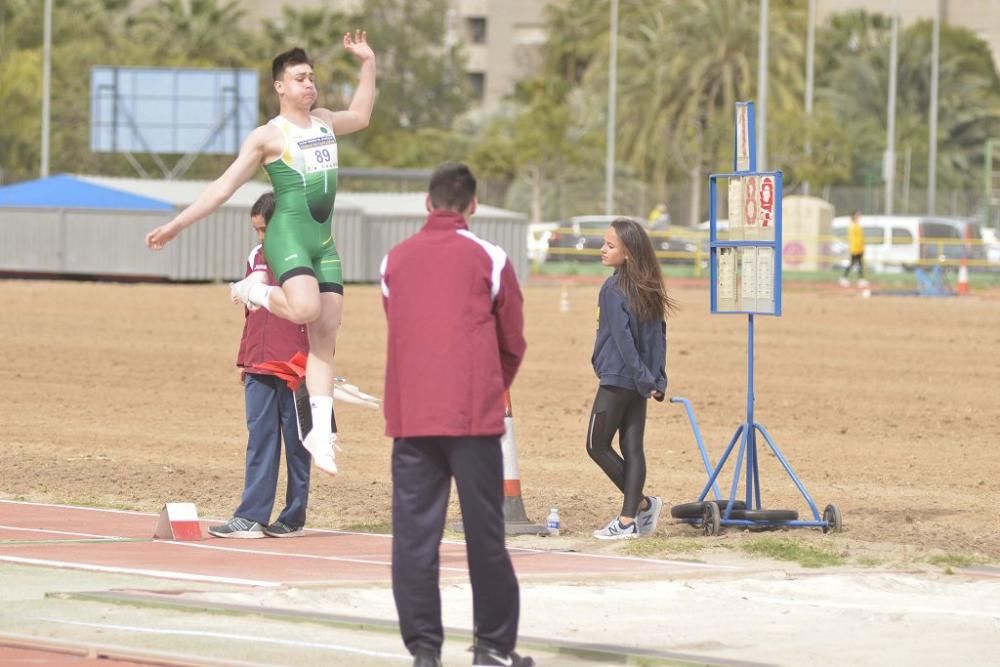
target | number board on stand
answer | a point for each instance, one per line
(745, 265)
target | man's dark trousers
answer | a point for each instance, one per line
(422, 469)
(270, 408)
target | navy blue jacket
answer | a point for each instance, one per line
(628, 353)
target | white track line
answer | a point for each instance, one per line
(77, 507)
(513, 550)
(240, 638)
(281, 554)
(63, 532)
(160, 574)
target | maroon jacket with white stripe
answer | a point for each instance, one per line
(456, 332)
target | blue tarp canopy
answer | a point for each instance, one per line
(64, 191)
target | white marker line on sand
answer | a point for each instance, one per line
(160, 574)
(241, 638)
(879, 609)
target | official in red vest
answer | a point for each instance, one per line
(456, 321)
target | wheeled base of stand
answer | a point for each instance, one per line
(750, 513)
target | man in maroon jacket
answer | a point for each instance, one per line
(270, 411)
(455, 316)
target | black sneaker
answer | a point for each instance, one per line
(489, 657)
(238, 527)
(282, 529)
(426, 657)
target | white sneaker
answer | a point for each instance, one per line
(239, 291)
(646, 519)
(616, 531)
(862, 283)
(844, 282)
(349, 393)
(322, 451)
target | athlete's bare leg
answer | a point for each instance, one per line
(322, 334)
(298, 300)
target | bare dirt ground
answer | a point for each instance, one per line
(126, 396)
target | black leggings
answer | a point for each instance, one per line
(858, 261)
(624, 411)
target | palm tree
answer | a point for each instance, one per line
(318, 30)
(575, 30)
(195, 30)
(969, 100)
(682, 67)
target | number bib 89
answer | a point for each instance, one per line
(319, 154)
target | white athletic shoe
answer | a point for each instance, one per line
(617, 531)
(844, 282)
(647, 519)
(322, 451)
(240, 290)
(349, 393)
(863, 283)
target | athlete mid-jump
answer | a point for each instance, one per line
(298, 149)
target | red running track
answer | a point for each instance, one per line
(121, 542)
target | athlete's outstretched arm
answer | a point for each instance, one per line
(359, 113)
(218, 191)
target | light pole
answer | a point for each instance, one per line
(810, 73)
(609, 160)
(932, 139)
(762, 88)
(889, 164)
(46, 76)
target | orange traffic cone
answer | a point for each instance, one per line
(563, 300)
(515, 519)
(963, 278)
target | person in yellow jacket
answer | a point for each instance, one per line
(856, 246)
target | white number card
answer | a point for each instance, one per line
(320, 154)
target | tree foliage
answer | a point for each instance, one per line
(681, 67)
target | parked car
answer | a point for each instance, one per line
(991, 241)
(897, 242)
(538, 240)
(679, 245)
(581, 237)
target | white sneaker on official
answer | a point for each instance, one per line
(240, 290)
(844, 282)
(322, 451)
(616, 530)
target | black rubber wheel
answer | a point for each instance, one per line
(764, 515)
(696, 510)
(711, 520)
(834, 522)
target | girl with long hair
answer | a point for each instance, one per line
(630, 362)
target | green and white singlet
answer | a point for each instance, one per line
(299, 239)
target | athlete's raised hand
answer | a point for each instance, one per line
(358, 45)
(162, 235)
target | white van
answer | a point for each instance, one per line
(897, 242)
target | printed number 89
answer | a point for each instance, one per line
(323, 156)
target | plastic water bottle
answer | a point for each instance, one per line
(553, 522)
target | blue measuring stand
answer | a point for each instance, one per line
(745, 274)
